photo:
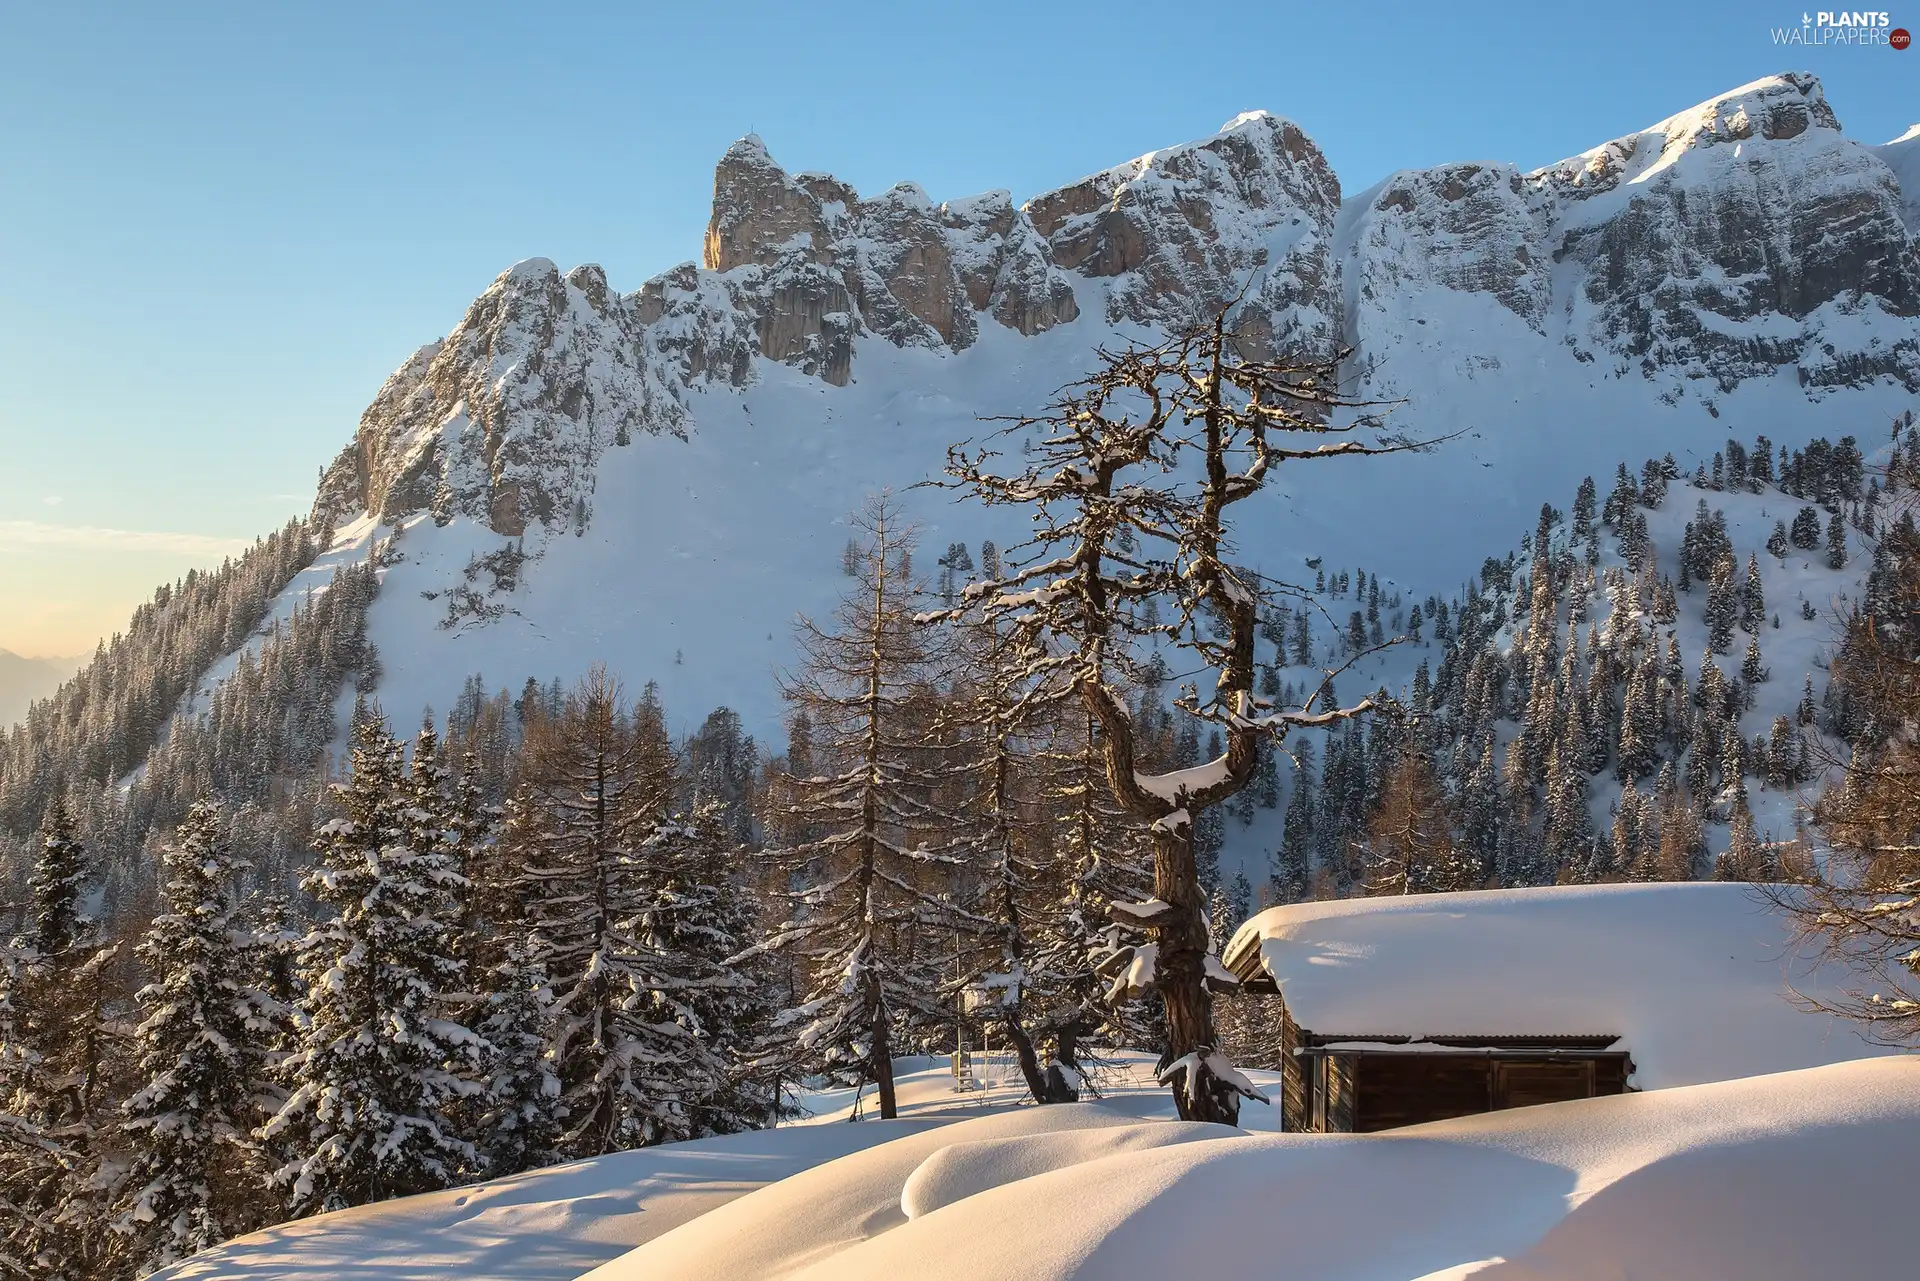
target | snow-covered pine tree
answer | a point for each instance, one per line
(1753, 597)
(1109, 454)
(194, 1166)
(1805, 533)
(1722, 606)
(520, 1109)
(473, 832)
(1627, 821)
(34, 1167)
(706, 1004)
(379, 1062)
(1479, 810)
(1583, 501)
(59, 876)
(1569, 825)
(861, 896)
(62, 1064)
(1751, 671)
(595, 784)
(1292, 878)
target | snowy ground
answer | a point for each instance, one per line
(1778, 1178)
(558, 1223)
(1687, 1184)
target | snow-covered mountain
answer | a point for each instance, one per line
(673, 463)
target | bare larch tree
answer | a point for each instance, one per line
(1129, 479)
(866, 889)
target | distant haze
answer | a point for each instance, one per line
(24, 679)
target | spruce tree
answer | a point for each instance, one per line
(1627, 821)
(380, 1061)
(1806, 529)
(59, 877)
(521, 1114)
(62, 1061)
(1480, 812)
(1722, 608)
(1753, 598)
(596, 783)
(1583, 501)
(708, 1009)
(202, 1062)
(1293, 868)
(1751, 672)
(1569, 825)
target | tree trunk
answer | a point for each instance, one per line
(1181, 972)
(1037, 1084)
(880, 1058)
(1066, 1055)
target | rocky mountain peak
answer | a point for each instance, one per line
(1775, 109)
(759, 213)
(1734, 240)
(1248, 213)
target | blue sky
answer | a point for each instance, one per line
(223, 225)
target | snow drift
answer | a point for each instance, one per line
(1776, 1178)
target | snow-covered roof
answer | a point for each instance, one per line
(1695, 979)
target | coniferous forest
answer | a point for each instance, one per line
(277, 948)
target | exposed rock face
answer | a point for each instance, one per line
(504, 420)
(1249, 213)
(1734, 238)
(833, 266)
(1469, 228)
(1726, 243)
(1733, 241)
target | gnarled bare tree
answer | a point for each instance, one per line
(1131, 476)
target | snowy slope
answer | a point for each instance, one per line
(557, 1223)
(1686, 1185)
(545, 1225)
(1797, 650)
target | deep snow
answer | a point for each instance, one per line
(1777, 1178)
(557, 1223)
